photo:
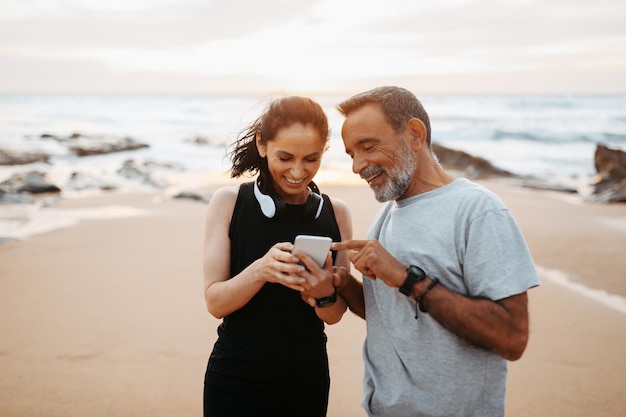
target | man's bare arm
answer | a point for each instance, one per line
(499, 326)
(351, 290)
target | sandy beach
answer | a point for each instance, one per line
(107, 318)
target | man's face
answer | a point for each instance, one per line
(380, 155)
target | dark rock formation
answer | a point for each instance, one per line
(79, 181)
(471, 166)
(537, 184)
(141, 173)
(31, 182)
(84, 145)
(200, 140)
(611, 168)
(8, 157)
(610, 163)
(15, 198)
(191, 195)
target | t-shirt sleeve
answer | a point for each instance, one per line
(497, 262)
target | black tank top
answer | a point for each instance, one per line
(275, 327)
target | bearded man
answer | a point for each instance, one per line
(445, 269)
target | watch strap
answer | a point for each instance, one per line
(327, 301)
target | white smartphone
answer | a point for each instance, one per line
(316, 247)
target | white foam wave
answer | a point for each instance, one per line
(613, 301)
(24, 221)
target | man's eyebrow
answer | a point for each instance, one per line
(362, 142)
(366, 140)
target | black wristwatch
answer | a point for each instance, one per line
(327, 301)
(414, 275)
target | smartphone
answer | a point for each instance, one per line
(316, 247)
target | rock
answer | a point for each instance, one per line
(199, 140)
(192, 196)
(610, 163)
(609, 192)
(611, 168)
(536, 184)
(21, 158)
(79, 181)
(87, 145)
(163, 165)
(31, 182)
(142, 173)
(16, 198)
(472, 166)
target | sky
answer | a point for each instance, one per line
(252, 46)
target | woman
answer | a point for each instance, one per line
(270, 357)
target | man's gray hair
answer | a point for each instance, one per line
(399, 105)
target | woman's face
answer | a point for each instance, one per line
(293, 156)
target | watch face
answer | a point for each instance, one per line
(326, 301)
(414, 275)
(417, 272)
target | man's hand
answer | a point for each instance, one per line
(373, 261)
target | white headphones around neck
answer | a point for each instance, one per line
(272, 205)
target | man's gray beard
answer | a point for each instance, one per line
(399, 177)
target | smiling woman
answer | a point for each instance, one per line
(293, 158)
(273, 301)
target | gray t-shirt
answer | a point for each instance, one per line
(464, 235)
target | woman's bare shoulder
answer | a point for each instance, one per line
(340, 206)
(224, 197)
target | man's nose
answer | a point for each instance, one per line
(358, 164)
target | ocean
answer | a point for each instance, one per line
(549, 137)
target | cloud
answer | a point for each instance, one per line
(316, 44)
(139, 23)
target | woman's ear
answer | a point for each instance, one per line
(259, 145)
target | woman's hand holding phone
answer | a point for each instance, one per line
(314, 253)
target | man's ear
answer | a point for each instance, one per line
(259, 145)
(417, 131)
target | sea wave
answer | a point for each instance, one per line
(614, 301)
(558, 137)
(21, 221)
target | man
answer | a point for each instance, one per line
(444, 246)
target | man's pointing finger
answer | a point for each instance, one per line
(348, 244)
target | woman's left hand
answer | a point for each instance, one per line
(319, 281)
